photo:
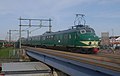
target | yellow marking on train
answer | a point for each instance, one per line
(92, 42)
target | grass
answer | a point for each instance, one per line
(4, 52)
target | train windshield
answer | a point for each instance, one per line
(86, 30)
(90, 30)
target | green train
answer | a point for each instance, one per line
(80, 38)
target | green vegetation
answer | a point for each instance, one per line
(5, 52)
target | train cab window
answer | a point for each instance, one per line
(89, 30)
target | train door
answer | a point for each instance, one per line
(65, 39)
(71, 39)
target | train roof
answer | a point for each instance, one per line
(59, 32)
(73, 29)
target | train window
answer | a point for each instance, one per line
(51, 36)
(90, 30)
(36, 38)
(43, 37)
(75, 36)
(28, 39)
(61, 37)
(57, 37)
(69, 36)
(65, 36)
(54, 37)
(39, 37)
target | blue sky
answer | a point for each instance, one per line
(102, 15)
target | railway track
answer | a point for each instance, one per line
(102, 60)
(113, 56)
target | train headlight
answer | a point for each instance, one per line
(89, 43)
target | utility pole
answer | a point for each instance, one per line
(27, 33)
(10, 33)
(20, 34)
(113, 32)
(32, 25)
(9, 36)
(50, 25)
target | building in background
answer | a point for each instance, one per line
(109, 41)
(115, 41)
(105, 39)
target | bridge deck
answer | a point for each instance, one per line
(102, 64)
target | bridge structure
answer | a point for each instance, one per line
(72, 64)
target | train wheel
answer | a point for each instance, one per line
(69, 49)
(85, 51)
(90, 51)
